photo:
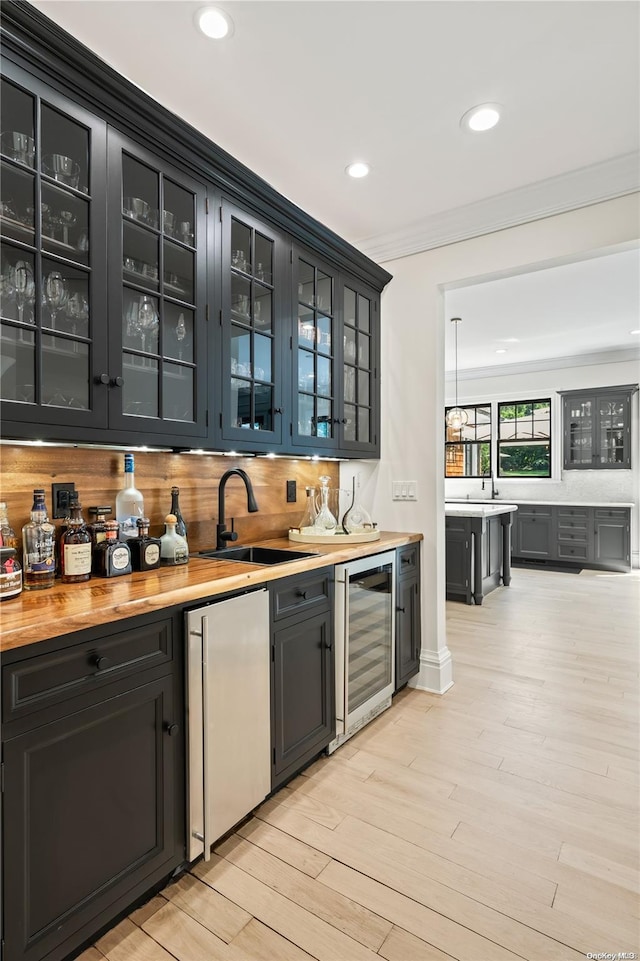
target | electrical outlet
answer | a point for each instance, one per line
(292, 494)
(60, 499)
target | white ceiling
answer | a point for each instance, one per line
(303, 87)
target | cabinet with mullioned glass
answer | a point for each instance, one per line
(52, 278)
(359, 336)
(597, 428)
(157, 296)
(254, 332)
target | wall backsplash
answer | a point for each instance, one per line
(98, 475)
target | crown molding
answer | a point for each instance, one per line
(610, 356)
(594, 184)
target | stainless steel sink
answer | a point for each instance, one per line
(255, 555)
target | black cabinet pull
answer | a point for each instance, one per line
(172, 729)
(278, 410)
(302, 594)
(101, 662)
(400, 610)
(102, 379)
(117, 381)
(328, 645)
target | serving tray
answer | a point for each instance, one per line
(337, 538)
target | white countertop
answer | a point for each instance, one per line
(477, 510)
(549, 503)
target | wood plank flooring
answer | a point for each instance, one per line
(497, 822)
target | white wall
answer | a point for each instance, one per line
(413, 326)
(622, 486)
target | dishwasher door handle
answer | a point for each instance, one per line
(206, 718)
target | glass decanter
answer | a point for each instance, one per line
(326, 522)
(307, 523)
(356, 519)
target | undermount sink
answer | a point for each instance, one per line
(255, 555)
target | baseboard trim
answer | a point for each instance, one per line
(436, 672)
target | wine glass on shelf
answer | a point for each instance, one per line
(56, 294)
(147, 318)
(24, 286)
(78, 311)
(67, 219)
(181, 333)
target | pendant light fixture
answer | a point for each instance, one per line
(456, 416)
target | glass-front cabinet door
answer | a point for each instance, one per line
(612, 430)
(597, 429)
(359, 417)
(52, 284)
(315, 385)
(158, 293)
(252, 319)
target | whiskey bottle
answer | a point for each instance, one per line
(181, 527)
(98, 527)
(129, 502)
(173, 547)
(38, 547)
(75, 549)
(112, 557)
(145, 550)
(7, 534)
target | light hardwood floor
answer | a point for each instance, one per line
(499, 821)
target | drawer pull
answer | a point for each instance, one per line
(172, 729)
(101, 662)
(400, 610)
(302, 594)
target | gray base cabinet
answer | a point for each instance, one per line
(591, 537)
(302, 671)
(408, 614)
(93, 805)
(458, 558)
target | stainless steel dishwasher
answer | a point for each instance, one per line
(228, 715)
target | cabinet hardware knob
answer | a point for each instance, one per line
(302, 594)
(400, 610)
(117, 381)
(328, 645)
(102, 379)
(172, 729)
(278, 410)
(101, 662)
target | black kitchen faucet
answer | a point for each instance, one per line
(222, 534)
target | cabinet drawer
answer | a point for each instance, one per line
(566, 524)
(578, 514)
(573, 537)
(572, 551)
(304, 591)
(35, 683)
(408, 559)
(611, 513)
(529, 511)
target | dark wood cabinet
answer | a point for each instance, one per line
(93, 804)
(535, 532)
(593, 537)
(302, 671)
(154, 291)
(611, 538)
(458, 558)
(597, 428)
(408, 614)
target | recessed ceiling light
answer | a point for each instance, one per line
(501, 350)
(480, 118)
(358, 169)
(634, 331)
(214, 23)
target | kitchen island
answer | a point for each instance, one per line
(478, 548)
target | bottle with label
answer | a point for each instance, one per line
(61, 530)
(10, 574)
(173, 547)
(112, 557)
(38, 547)
(181, 527)
(75, 549)
(7, 534)
(98, 527)
(129, 502)
(145, 550)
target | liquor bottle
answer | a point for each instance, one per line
(75, 549)
(173, 547)
(62, 529)
(38, 547)
(112, 557)
(10, 574)
(7, 534)
(145, 550)
(181, 527)
(98, 527)
(129, 502)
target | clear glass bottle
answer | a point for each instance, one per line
(181, 527)
(75, 549)
(326, 522)
(357, 519)
(307, 524)
(112, 557)
(38, 547)
(129, 502)
(7, 534)
(174, 549)
(145, 550)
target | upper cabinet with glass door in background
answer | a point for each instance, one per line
(597, 428)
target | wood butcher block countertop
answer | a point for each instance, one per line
(39, 615)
